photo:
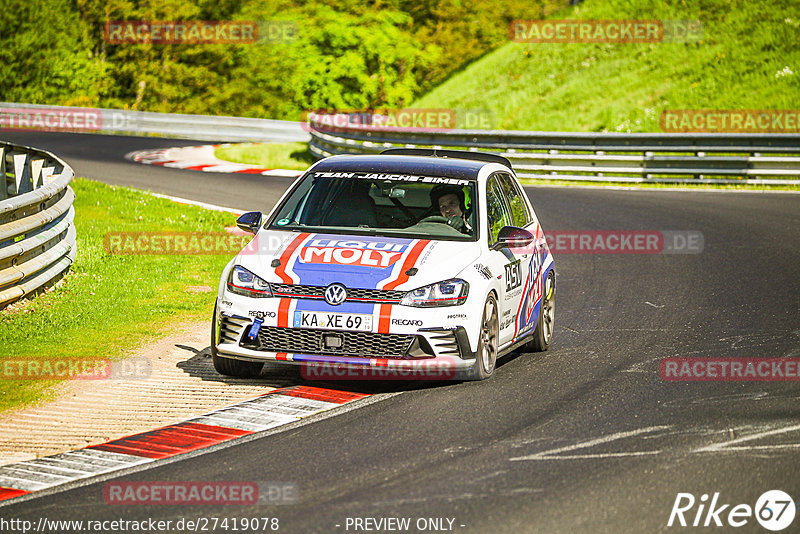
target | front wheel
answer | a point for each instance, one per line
(229, 366)
(543, 333)
(486, 357)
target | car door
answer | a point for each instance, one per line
(530, 258)
(503, 263)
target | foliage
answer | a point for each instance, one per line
(344, 55)
(747, 59)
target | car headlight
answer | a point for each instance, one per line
(448, 293)
(243, 282)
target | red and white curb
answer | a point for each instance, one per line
(201, 158)
(268, 411)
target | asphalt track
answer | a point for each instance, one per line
(586, 437)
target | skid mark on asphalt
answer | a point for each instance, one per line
(450, 497)
(657, 440)
(733, 444)
(555, 454)
(732, 397)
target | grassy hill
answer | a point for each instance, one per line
(748, 58)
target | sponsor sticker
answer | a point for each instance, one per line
(407, 322)
(352, 252)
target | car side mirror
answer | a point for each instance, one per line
(513, 237)
(250, 221)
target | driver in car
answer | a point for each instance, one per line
(449, 200)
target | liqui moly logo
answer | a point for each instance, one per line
(349, 252)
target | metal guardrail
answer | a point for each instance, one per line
(606, 157)
(125, 122)
(37, 237)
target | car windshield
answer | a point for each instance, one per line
(381, 204)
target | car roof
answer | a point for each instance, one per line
(461, 169)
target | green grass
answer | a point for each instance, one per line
(748, 59)
(108, 304)
(292, 156)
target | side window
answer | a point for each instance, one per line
(495, 208)
(516, 204)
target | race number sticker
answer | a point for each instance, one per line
(513, 275)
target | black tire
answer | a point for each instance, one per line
(543, 333)
(486, 356)
(230, 366)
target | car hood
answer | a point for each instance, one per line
(369, 262)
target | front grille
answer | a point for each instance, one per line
(309, 341)
(354, 294)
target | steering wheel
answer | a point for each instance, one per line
(457, 223)
(434, 219)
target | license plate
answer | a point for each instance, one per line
(333, 321)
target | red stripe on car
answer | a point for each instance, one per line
(411, 259)
(283, 306)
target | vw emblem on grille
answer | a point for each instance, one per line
(335, 294)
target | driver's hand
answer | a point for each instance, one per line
(456, 222)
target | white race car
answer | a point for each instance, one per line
(405, 261)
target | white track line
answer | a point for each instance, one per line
(196, 203)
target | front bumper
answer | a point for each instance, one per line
(432, 349)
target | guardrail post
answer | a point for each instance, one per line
(3, 177)
(22, 174)
(36, 172)
(47, 173)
